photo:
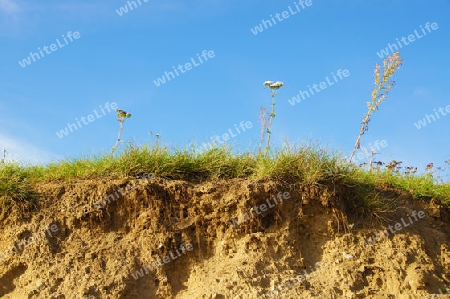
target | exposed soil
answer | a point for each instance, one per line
(309, 242)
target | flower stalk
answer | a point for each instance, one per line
(274, 87)
(121, 116)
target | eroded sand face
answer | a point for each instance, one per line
(310, 245)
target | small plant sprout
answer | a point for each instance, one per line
(4, 157)
(157, 136)
(380, 91)
(274, 87)
(121, 116)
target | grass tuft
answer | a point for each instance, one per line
(15, 188)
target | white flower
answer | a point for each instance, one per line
(272, 85)
(276, 85)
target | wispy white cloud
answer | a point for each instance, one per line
(9, 7)
(11, 18)
(20, 19)
(19, 150)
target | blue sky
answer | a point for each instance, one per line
(116, 58)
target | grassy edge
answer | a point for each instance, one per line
(308, 164)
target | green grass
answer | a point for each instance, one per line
(16, 188)
(309, 165)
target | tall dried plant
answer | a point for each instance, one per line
(380, 91)
(264, 121)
